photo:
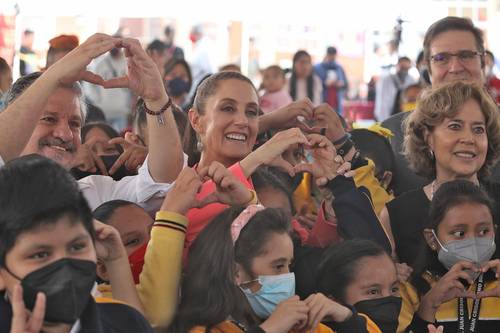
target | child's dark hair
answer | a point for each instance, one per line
(209, 292)
(339, 266)
(377, 148)
(105, 211)
(264, 177)
(449, 195)
(37, 191)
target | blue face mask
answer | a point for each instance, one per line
(275, 289)
(178, 86)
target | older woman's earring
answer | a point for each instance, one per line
(431, 153)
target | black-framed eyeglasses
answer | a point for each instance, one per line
(464, 56)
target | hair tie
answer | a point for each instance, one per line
(241, 221)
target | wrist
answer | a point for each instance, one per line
(343, 314)
(428, 308)
(117, 259)
(157, 104)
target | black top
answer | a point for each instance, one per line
(96, 318)
(409, 214)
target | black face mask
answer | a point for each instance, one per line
(383, 311)
(66, 283)
(177, 87)
(108, 161)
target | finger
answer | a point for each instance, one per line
(209, 199)
(99, 163)
(119, 141)
(117, 82)
(461, 265)
(489, 293)
(120, 161)
(322, 181)
(219, 173)
(303, 167)
(19, 314)
(38, 314)
(90, 77)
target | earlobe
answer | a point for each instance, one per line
(430, 239)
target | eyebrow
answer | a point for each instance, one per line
(228, 99)
(279, 261)
(461, 121)
(36, 246)
(370, 285)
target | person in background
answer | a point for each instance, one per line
(60, 46)
(334, 79)
(157, 51)
(275, 95)
(203, 58)
(178, 81)
(492, 80)
(409, 96)
(172, 50)
(5, 81)
(230, 67)
(303, 82)
(27, 57)
(389, 88)
(423, 70)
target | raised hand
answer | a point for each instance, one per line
(73, 66)
(403, 272)
(133, 155)
(270, 153)
(290, 115)
(22, 321)
(328, 119)
(86, 158)
(109, 245)
(321, 307)
(182, 195)
(143, 77)
(326, 163)
(291, 313)
(447, 288)
(495, 266)
(434, 329)
(229, 190)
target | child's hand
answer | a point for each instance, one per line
(109, 245)
(22, 322)
(182, 196)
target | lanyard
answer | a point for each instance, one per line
(464, 324)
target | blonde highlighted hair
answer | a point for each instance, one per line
(443, 102)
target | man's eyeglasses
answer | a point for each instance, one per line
(465, 57)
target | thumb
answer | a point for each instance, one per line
(303, 167)
(284, 165)
(119, 141)
(209, 199)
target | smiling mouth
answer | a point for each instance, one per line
(236, 137)
(59, 148)
(468, 155)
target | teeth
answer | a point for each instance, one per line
(467, 155)
(59, 148)
(239, 137)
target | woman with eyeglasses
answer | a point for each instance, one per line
(453, 134)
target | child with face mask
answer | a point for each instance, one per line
(360, 274)
(48, 252)
(238, 280)
(455, 280)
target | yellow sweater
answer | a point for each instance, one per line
(159, 281)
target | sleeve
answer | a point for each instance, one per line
(365, 176)
(158, 286)
(200, 217)
(417, 325)
(256, 329)
(355, 215)
(141, 189)
(324, 231)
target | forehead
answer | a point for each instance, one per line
(453, 41)
(130, 216)
(64, 102)
(467, 213)
(470, 111)
(375, 269)
(238, 90)
(277, 246)
(60, 231)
